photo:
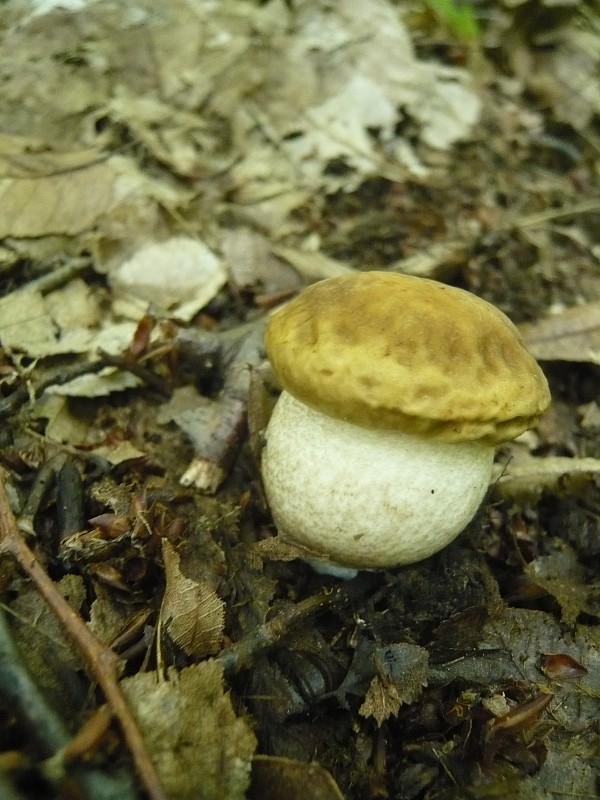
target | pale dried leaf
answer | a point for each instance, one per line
(43, 326)
(178, 276)
(571, 335)
(62, 424)
(98, 384)
(118, 453)
(59, 203)
(312, 265)
(191, 611)
(567, 76)
(25, 324)
(74, 306)
(436, 261)
(251, 262)
(590, 415)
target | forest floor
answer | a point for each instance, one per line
(169, 173)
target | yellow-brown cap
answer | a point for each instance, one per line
(385, 350)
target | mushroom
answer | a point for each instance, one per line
(396, 391)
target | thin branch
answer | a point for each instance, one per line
(270, 634)
(101, 660)
(46, 730)
(533, 220)
(63, 375)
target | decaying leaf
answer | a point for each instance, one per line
(62, 425)
(108, 616)
(51, 658)
(199, 747)
(401, 676)
(266, 96)
(44, 203)
(192, 613)
(567, 76)
(56, 203)
(571, 335)
(251, 262)
(99, 384)
(276, 778)
(560, 574)
(525, 636)
(26, 324)
(561, 667)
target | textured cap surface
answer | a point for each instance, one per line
(385, 350)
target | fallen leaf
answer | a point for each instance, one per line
(279, 778)
(201, 750)
(560, 574)
(178, 276)
(192, 613)
(571, 335)
(401, 675)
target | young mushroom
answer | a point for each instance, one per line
(396, 391)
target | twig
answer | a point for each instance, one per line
(45, 728)
(240, 654)
(266, 636)
(102, 661)
(216, 428)
(141, 372)
(57, 276)
(63, 375)
(533, 220)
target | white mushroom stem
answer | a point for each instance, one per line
(365, 498)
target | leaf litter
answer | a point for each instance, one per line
(168, 176)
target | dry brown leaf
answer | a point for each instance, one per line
(572, 335)
(56, 203)
(277, 549)
(401, 675)
(192, 613)
(382, 701)
(200, 749)
(277, 777)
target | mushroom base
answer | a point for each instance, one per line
(363, 498)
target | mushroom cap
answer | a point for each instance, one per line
(392, 351)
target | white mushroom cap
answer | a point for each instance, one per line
(397, 390)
